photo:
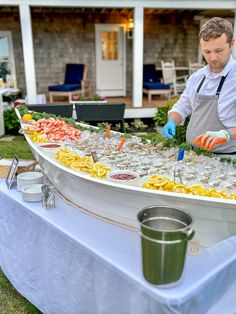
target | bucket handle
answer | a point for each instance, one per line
(190, 234)
(168, 242)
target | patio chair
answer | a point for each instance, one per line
(101, 112)
(152, 83)
(194, 66)
(63, 110)
(75, 83)
(169, 77)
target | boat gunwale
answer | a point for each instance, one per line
(124, 187)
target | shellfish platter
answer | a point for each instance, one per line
(206, 187)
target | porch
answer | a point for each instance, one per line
(45, 39)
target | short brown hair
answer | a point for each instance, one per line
(214, 28)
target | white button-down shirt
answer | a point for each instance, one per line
(227, 98)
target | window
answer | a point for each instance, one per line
(7, 64)
(109, 42)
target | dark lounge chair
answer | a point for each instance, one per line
(152, 83)
(101, 112)
(74, 84)
(63, 110)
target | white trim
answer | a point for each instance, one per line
(28, 51)
(140, 113)
(175, 4)
(138, 57)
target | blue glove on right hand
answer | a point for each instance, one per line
(169, 129)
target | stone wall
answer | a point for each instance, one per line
(170, 37)
(62, 37)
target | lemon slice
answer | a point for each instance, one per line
(27, 117)
(101, 172)
(179, 189)
(89, 164)
(215, 194)
(169, 186)
(75, 165)
(97, 166)
(160, 181)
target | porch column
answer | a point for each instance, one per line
(234, 47)
(28, 52)
(138, 57)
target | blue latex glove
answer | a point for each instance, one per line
(169, 129)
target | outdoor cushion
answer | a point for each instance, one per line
(64, 87)
(150, 74)
(155, 85)
(74, 73)
(73, 77)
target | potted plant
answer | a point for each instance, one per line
(92, 100)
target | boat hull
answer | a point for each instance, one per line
(214, 219)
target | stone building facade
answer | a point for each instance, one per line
(63, 36)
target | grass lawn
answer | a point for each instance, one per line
(17, 146)
(11, 302)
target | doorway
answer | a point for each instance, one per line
(110, 60)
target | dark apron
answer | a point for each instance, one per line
(205, 118)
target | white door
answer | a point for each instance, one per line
(110, 60)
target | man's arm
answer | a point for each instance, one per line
(233, 132)
(175, 116)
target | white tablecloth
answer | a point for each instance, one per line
(65, 261)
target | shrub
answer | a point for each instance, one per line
(161, 114)
(11, 122)
(161, 118)
(139, 125)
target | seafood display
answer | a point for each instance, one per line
(204, 173)
(204, 186)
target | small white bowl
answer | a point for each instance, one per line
(32, 193)
(123, 177)
(26, 178)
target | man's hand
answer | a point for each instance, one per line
(211, 139)
(169, 129)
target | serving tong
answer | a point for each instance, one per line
(94, 156)
(176, 170)
(48, 196)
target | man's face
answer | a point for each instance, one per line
(216, 52)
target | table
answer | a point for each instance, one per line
(65, 261)
(10, 96)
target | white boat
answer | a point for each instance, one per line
(214, 218)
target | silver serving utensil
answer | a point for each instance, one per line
(176, 170)
(48, 196)
(94, 156)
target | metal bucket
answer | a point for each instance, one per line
(165, 232)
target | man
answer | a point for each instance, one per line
(210, 93)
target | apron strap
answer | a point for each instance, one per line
(220, 85)
(200, 85)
